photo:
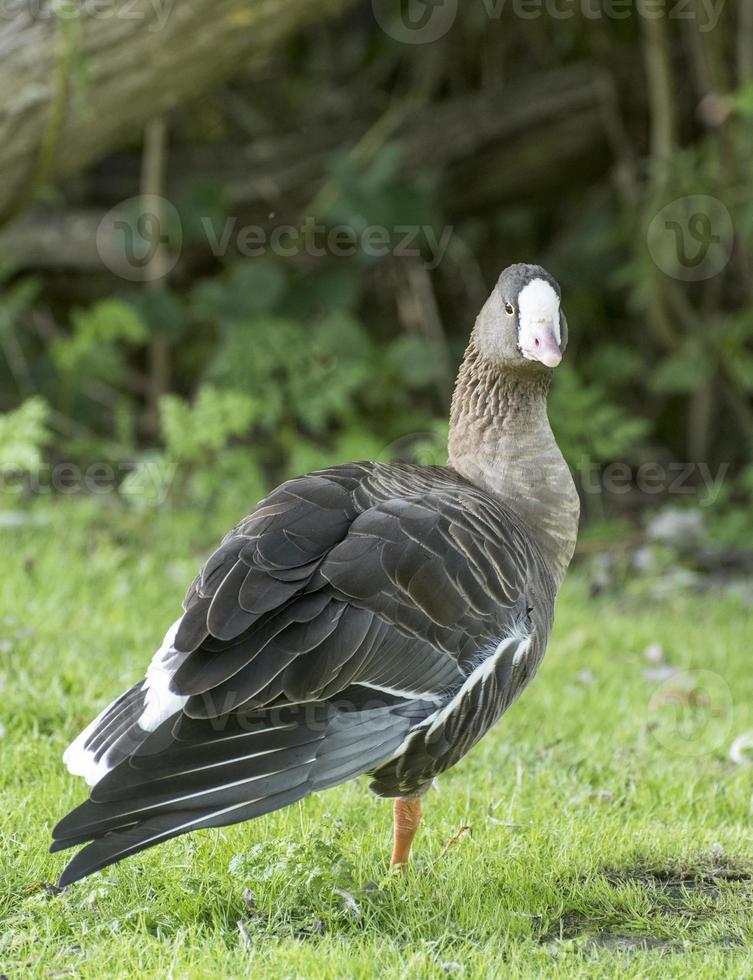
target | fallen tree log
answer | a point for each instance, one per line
(78, 80)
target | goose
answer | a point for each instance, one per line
(369, 618)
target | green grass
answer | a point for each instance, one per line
(609, 832)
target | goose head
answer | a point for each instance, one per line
(522, 324)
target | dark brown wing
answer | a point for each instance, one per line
(366, 618)
(335, 580)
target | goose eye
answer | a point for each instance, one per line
(509, 309)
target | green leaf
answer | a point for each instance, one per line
(586, 423)
(148, 484)
(253, 286)
(191, 432)
(742, 100)
(681, 373)
(23, 436)
(101, 335)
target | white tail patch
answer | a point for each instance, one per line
(159, 704)
(81, 761)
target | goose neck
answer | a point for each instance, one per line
(501, 440)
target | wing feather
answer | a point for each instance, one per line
(355, 603)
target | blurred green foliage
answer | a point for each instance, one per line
(23, 437)
(238, 372)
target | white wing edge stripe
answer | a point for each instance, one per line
(183, 744)
(160, 704)
(214, 789)
(153, 781)
(414, 695)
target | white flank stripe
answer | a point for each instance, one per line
(519, 638)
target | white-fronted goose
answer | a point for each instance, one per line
(368, 618)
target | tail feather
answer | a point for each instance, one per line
(118, 731)
(205, 778)
(232, 787)
(117, 718)
(110, 738)
(184, 770)
(130, 840)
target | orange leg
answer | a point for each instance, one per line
(407, 816)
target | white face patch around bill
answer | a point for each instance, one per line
(538, 307)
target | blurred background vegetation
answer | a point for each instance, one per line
(518, 134)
